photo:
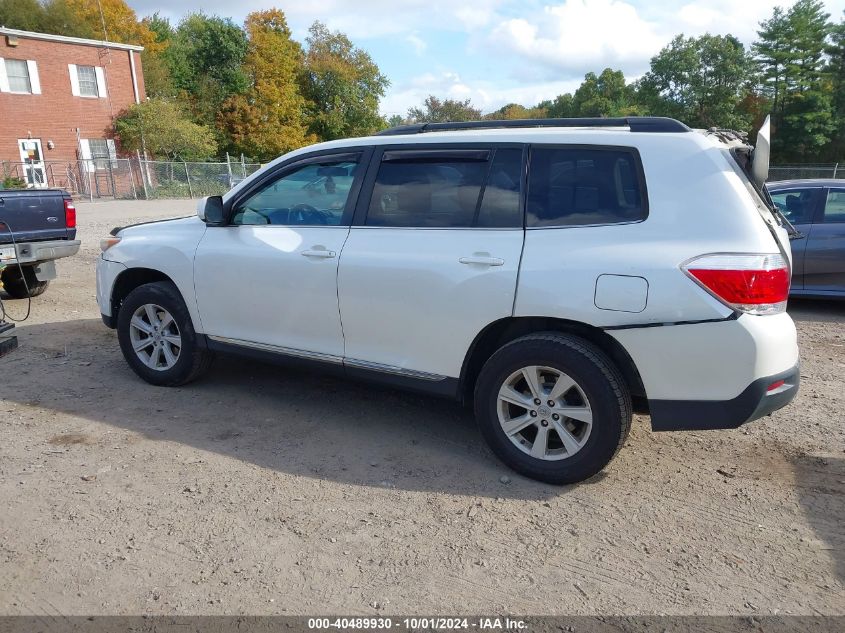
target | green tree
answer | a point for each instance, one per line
(836, 71)
(560, 107)
(342, 84)
(516, 111)
(269, 118)
(158, 81)
(435, 110)
(205, 57)
(604, 95)
(161, 127)
(790, 55)
(45, 16)
(699, 81)
(396, 120)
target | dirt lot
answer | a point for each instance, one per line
(262, 490)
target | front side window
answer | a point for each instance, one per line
(834, 208)
(797, 205)
(584, 186)
(18, 74)
(447, 189)
(315, 194)
(87, 81)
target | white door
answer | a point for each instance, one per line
(435, 259)
(269, 278)
(32, 157)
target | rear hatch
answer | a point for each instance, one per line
(35, 215)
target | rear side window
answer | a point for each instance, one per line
(834, 208)
(447, 189)
(583, 186)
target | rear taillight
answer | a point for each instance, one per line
(756, 284)
(70, 214)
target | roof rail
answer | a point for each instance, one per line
(635, 123)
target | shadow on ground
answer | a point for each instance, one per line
(302, 423)
(819, 485)
(817, 310)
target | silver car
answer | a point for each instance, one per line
(817, 209)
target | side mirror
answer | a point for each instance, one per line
(210, 210)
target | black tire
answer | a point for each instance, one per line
(17, 285)
(595, 375)
(194, 358)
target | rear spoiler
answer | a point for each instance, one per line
(760, 157)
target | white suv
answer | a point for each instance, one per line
(556, 274)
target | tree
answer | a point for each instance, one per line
(604, 95)
(436, 111)
(790, 55)
(161, 127)
(45, 16)
(113, 20)
(205, 58)
(158, 82)
(516, 111)
(342, 84)
(560, 108)
(268, 119)
(836, 71)
(699, 81)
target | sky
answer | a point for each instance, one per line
(496, 52)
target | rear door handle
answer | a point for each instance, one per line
(482, 260)
(320, 253)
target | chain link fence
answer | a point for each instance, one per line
(138, 179)
(795, 172)
(129, 178)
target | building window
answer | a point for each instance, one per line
(99, 150)
(18, 74)
(87, 81)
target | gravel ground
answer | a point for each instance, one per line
(263, 490)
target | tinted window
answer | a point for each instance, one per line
(834, 208)
(429, 192)
(574, 186)
(500, 202)
(796, 204)
(313, 194)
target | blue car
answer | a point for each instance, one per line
(817, 209)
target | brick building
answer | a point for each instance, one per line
(59, 97)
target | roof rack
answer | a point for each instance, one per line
(635, 123)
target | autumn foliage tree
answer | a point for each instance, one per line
(269, 118)
(160, 127)
(342, 85)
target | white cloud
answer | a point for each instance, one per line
(581, 35)
(418, 43)
(485, 94)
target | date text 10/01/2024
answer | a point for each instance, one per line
(412, 623)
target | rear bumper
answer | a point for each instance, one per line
(33, 252)
(703, 415)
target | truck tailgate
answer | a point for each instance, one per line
(33, 215)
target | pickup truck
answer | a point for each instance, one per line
(43, 224)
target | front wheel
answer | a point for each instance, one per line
(157, 337)
(553, 407)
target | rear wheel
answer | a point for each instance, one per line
(157, 337)
(553, 407)
(22, 285)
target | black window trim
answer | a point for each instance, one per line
(444, 149)
(362, 154)
(638, 165)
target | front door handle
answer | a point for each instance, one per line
(482, 260)
(320, 253)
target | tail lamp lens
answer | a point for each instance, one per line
(755, 284)
(70, 214)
